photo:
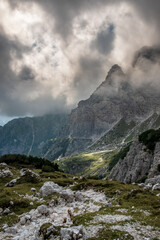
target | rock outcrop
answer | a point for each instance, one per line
(4, 171)
(50, 221)
(139, 163)
(49, 188)
(75, 233)
(26, 175)
(113, 100)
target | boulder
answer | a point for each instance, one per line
(49, 188)
(11, 203)
(3, 164)
(147, 186)
(68, 195)
(47, 231)
(11, 230)
(42, 209)
(26, 175)
(74, 233)
(7, 211)
(12, 183)
(5, 172)
(156, 187)
(79, 197)
(33, 190)
(153, 180)
(23, 221)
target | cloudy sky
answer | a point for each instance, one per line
(54, 53)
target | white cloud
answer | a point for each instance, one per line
(65, 65)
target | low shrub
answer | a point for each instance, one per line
(120, 155)
(149, 138)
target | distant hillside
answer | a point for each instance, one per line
(28, 135)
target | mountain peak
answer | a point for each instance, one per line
(114, 73)
(115, 68)
(114, 76)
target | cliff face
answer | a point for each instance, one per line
(113, 100)
(156, 161)
(139, 163)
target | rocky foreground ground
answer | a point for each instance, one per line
(34, 207)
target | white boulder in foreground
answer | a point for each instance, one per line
(49, 188)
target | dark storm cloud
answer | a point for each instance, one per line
(26, 73)
(151, 54)
(9, 81)
(8, 78)
(89, 71)
(104, 40)
(7, 49)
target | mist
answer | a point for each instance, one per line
(57, 53)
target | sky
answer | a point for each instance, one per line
(54, 53)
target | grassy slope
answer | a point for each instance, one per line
(115, 135)
(22, 205)
(152, 122)
(131, 197)
(86, 163)
(124, 196)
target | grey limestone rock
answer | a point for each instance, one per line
(75, 233)
(134, 166)
(68, 195)
(12, 183)
(139, 163)
(42, 209)
(49, 188)
(153, 181)
(26, 175)
(11, 230)
(47, 231)
(156, 187)
(5, 172)
(156, 161)
(7, 211)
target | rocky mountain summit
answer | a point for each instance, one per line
(114, 99)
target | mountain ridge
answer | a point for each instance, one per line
(114, 99)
